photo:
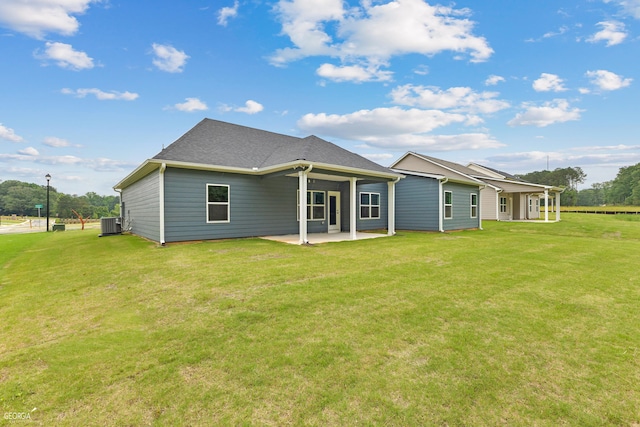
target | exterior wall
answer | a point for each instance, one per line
(415, 164)
(489, 199)
(373, 223)
(506, 216)
(142, 207)
(417, 203)
(259, 206)
(461, 218)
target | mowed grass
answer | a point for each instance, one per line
(517, 324)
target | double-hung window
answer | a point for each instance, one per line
(315, 205)
(503, 204)
(369, 205)
(448, 205)
(217, 203)
(474, 205)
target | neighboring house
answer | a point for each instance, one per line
(507, 197)
(436, 195)
(221, 180)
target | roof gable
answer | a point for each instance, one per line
(425, 164)
(212, 142)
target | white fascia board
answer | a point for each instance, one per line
(422, 174)
(401, 158)
(152, 164)
(530, 184)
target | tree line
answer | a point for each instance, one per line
(623, 190)
(21, 198)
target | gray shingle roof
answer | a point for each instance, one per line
(212, 142)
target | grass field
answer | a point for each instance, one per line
(601, 209)
(518, 324)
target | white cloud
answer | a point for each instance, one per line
(65, 56)
(9, 134)
(29, 151)
(606, 80)
(35, 18)
(458, 99)
(53, 141)
(613, 32)
(101, 95)
(250, 107)
(548, 83)
(227, 12)
(168, 58)
(190, 105)
(397, 128)
(379, 157)
(376, 32)
(631, 7)
(556, 111)
(560, 32)
(354, 73)
(366, 124)
(493, 80)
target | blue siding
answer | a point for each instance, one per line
(461, 195)
(417, 203)
(142, 207)
(371, 223)
(259, 206)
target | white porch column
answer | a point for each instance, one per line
(546, 205)
(391, 208)
(558, 206)
(353, 207)
(302, 188)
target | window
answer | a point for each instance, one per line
(448, 205)
(315, 205)
(369, 205)
(217, 203)
(503, 205)
(474, 206)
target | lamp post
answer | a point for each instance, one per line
(48, 179)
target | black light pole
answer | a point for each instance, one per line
(48, 179)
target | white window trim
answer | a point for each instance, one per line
(472, 205)
(503, 205)
(445, 204)
(370, 205)
(228, 203)
(312, 205)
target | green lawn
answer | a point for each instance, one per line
(518, 324)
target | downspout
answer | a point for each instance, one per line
(302, 187)
(163, 167)
(480, 188)
(441, 182)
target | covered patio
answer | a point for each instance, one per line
(316, 238)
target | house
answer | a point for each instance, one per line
(222, 180)
(436, 195)
(507, 197)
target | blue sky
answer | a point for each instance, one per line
(89, 89)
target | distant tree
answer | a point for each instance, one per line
(21, 198)
(625, 188)
(569, 178)
(594, 196)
